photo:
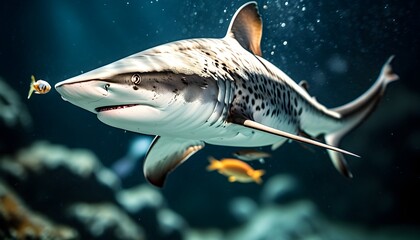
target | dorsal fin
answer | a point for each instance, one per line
(305, 85)
(246, 27)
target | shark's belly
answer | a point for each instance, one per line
(239, 136)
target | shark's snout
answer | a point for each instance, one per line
(83, 94)
(84, 90)
(58, 85)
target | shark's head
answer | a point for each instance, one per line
(173, 84)
(134, 95)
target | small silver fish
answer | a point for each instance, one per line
(39, 87)
(251, 155)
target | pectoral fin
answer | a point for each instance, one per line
(262, 127)
(165, 154)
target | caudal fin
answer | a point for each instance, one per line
(353, 113)
(214, 164)
(256, 176)
(31, 86)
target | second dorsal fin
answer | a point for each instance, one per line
(246, 28)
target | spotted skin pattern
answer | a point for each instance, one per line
(216, 91)
(249, 86)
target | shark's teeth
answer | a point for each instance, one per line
(107, 108)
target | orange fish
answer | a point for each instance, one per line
(39, 87)
(235, 170)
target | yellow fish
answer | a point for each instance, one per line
(40, 87)
(235, 170)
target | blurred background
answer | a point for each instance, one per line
(65, 175)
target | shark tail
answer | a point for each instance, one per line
(355, 112)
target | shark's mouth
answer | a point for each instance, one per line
(108, 108)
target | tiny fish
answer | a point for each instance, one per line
(251, 155)
(235, 170)
(40, 87)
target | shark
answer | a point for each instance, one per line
(219, 91)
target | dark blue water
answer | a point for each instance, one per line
(337, 46)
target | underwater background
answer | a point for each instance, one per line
(58, 173)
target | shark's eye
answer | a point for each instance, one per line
(136, 79)
(106, 86)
